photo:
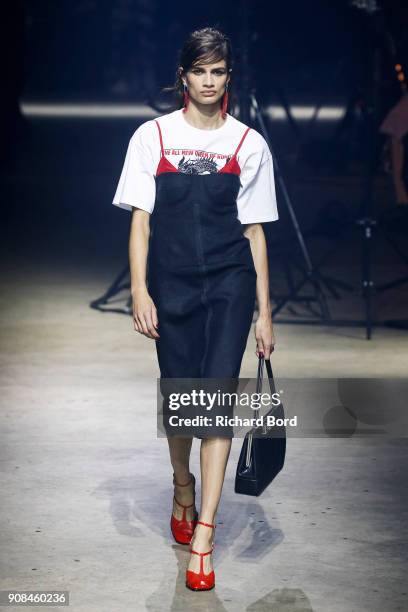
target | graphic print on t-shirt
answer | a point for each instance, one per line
(185, 149)
(203, 162)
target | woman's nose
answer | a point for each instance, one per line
(208, 81)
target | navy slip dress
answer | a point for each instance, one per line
(200, 271)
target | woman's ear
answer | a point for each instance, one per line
(180, 72)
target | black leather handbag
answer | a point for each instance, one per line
(261, 458)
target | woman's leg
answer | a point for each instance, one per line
(180, 449)
(214, 454)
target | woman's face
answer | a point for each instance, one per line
(206, 82)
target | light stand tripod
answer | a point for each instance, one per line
(366, 222)
(248, 102)
(105, 301)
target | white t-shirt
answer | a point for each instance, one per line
(187, 147)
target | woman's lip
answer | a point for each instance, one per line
(208, 93)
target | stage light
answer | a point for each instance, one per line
(128, 111)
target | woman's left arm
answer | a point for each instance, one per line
(264, 334)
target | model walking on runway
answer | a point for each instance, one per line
(199, 184)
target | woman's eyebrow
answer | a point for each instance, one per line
(200, 67)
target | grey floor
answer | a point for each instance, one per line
(86, 484)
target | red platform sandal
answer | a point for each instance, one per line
(182, 529)
(201, 581)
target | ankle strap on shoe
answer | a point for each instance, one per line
(186, 483)
(202, 554)
(206, 524)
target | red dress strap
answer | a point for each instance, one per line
(161, 139)
(232, 167)
(241, 141)
(164, 165)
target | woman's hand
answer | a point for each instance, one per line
(144, 314)
(265, 338)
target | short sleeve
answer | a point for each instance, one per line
(257, 197)
(137, 186)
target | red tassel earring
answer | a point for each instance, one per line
(186, 98)
(225, 102)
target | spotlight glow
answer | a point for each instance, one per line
(142, 111)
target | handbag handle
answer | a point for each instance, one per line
(270, 376)
(261, 361)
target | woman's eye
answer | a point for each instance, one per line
(217, 72)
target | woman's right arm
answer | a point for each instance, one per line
(144, 311)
